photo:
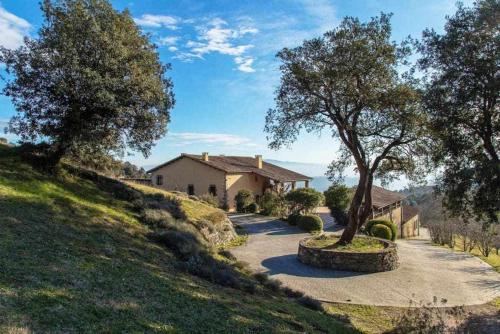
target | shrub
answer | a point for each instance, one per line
(243, 198)
(393, 227)
(252, 207)
(304, 199)
(294, 218)
(310, 223)
(272, 204)
(183, 244)
(381, 231)
(311, 303)
(157, 218)
(291, 293)
(273, 284)
(217, 217)
(337, 198)
(210, 200)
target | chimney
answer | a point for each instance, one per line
(204, 156)
(258, 161)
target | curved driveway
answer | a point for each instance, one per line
(426, 271)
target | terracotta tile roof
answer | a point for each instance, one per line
(382, 197)
(237, 164)
(409, 212)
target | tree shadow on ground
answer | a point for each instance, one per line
(290, 265)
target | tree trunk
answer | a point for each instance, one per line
(354, 210)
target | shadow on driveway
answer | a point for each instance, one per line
(290, 265)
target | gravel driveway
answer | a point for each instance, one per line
(426, 271)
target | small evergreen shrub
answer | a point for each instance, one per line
(261, 277)
(381, 231)
(294, 218)
(310, 223)
(183, 244)
(210, 200)
(217, 217)
(272, 204)
(273, 284)
(311, 303)
(393, 227)
(243, 199)
(252, 207)
(291, 293)
(304, 199)
(157, 218)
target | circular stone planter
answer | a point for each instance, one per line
(385, 259)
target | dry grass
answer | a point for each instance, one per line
(357, 245)
(75, 259)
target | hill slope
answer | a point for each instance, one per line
(75, 259)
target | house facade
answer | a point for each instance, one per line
(389, 205)
(223, 176)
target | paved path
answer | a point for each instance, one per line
(426, 270)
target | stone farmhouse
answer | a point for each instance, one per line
(223, 176)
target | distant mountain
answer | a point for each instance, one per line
(321, 183)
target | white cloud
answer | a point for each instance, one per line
(245, 64)
(187, 138)
(12, 29)
(172, 48)
(168, 40)
(157, 21)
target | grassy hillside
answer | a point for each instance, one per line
(75, 259)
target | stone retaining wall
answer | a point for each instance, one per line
(382, 260)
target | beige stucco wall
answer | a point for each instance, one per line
(410, 228)
(250, 181)
(178, 174)
(395, 215)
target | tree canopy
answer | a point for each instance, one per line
(347, 82)
(89, 79)
(461, 100)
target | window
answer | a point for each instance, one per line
(212, 190)
(190, 189)
(159, 180)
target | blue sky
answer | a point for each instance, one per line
(223, 63)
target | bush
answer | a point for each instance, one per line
(304, 199)
(310, 223)
(209, 199)
(311, 303)
(337, 198)
(252, 207)
(217, 217)
(272, 204)
(381, 231)
(157, 218)
(393, 227)
(294, 218)
(243, 199)
(183, 244)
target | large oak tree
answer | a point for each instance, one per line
(347, 82)
(461, 99)
(89, 79)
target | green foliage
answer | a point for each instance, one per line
(96, 78)
(66, 245)
(294, 218)
(337, 199)
(310, 223)
(243, 199)
(252, 207)
(272, 204)
(210, 199)
(461, 100)
(348, 82)
(381, 231)
(157, 218)
(304, 199)
(392, 227)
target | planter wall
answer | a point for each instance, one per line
(383, 260)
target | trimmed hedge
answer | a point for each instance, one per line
(310, 223)
(243, 199)
(393, 227)
(294, 218)
(381, 231)
(252, 207)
